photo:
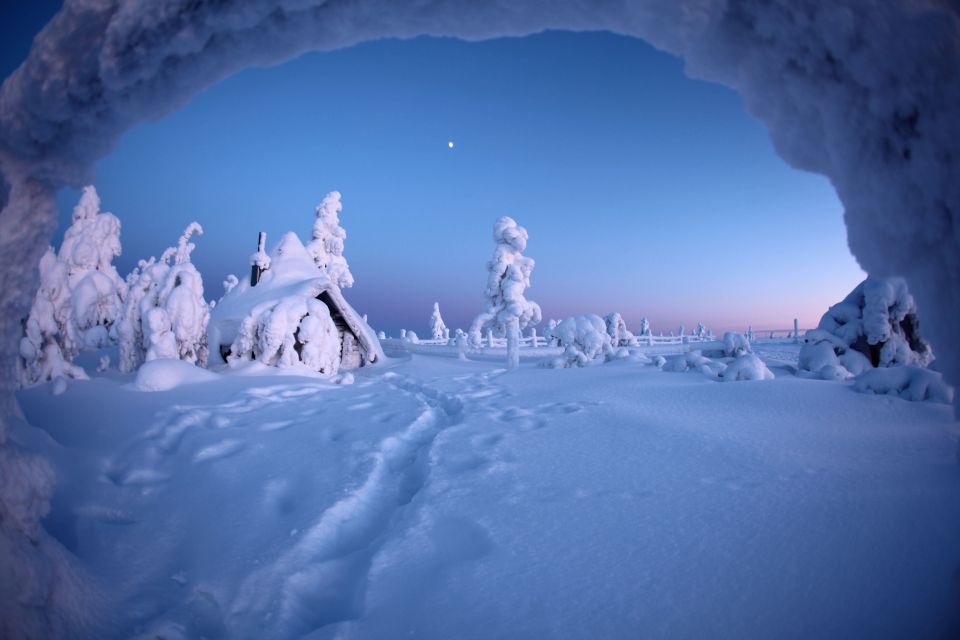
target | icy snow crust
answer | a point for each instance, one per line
(862, 91)
(452, 499)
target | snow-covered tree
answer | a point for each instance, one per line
(437, 328)
(229, 283)
(80, 296)
(701, 331)
(749, 333)
(876, 325)
(506, 310)
(620, 336)
(326, 247)
(644, 327)
(41, 357)
(165, 315)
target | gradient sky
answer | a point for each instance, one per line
(643, 191)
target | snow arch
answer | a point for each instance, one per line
(862, 91)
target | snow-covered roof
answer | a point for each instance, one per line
(292, 272)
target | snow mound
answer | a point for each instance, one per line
(746, 367)
(908, 382)
(164, 374)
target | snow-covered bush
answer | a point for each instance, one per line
(508, 275)
(746, 367)
(164, 314)
(876, 325)
(289, 331)
(585, 341)
(437, 328)
(411, 337)
(80, 295)
(326, 247)
(735, 344)
(908, 382)
(620, 336)
(691, 361)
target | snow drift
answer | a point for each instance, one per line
(863, 92)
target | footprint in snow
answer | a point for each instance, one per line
(276, 425)
(219, 450)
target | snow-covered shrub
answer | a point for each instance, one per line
(289, 331)
(876, 325)
(80, 295)
(735, 344)
(437, 328)
(326, 247)
(691, 361)
(411, 337)
(908, 382)
(164, 314)
(620, 336)
(381, 335)
(585, 341)
(506, 310)
(746, 367)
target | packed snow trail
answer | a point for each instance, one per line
(320, 580)
(439, 498)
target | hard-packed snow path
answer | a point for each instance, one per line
(439, 498)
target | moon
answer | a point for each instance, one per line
(450, 144)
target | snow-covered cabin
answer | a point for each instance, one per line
(290, 313)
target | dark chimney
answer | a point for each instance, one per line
(255, 268)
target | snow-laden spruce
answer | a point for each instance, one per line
(438, 330)
(620, 336)
(876, 325)
(80, 295)
(506, 310)
(165, 314)
(326, 247)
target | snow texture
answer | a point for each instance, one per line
(326, 247)
(862, 92)
(506, 310)
(164, 374)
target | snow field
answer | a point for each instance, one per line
(444, 498)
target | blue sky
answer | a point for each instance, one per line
(643, 191)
